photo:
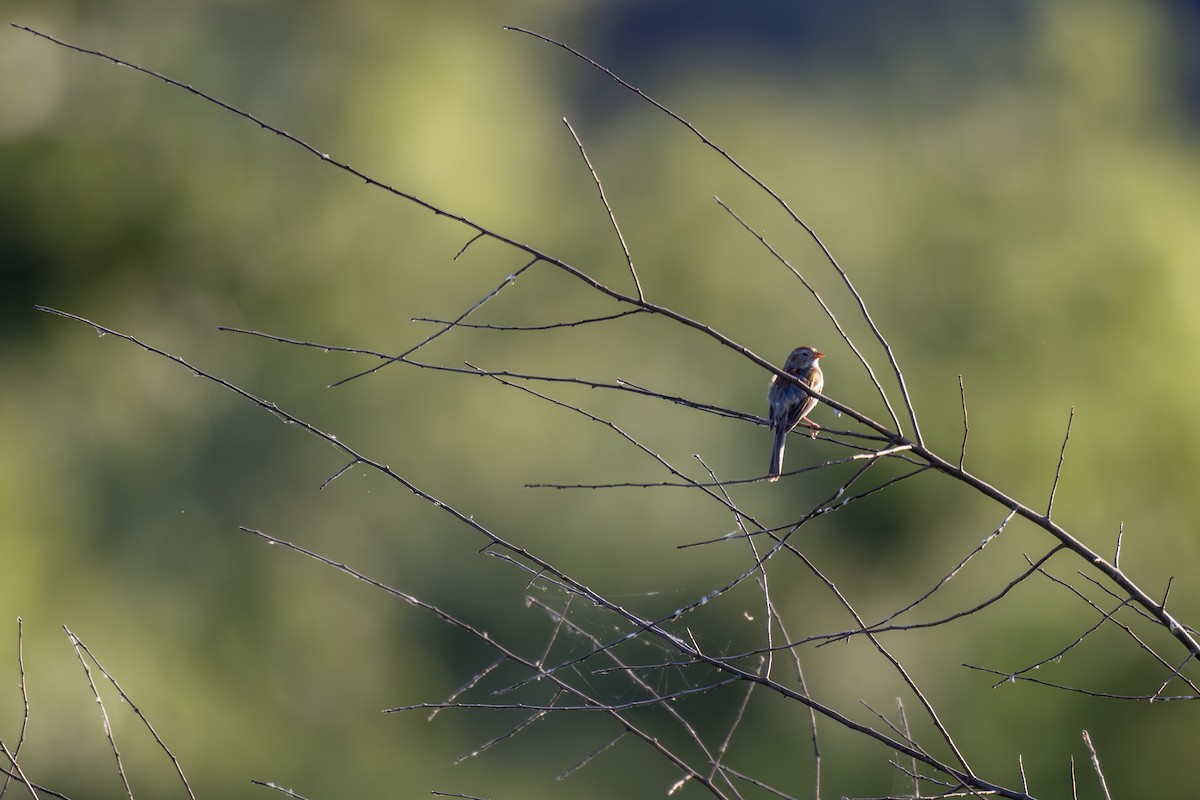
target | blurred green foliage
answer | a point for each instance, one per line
(1013, 193)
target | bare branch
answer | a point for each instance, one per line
(34, 788)
(1173, 671)
(280, 789)
(108, 732)
(470, 242)
(1062, 652)
(1087, 739)
(80, 646)
(509, 281)
(1062, 453)
(907, 732)
(812, 716)
(611, 426)
(572, 324)
(12, 754)
(349, 465)
(758, 784)
(962, 452)
(470, 684)
(887, 451)
(1177, 672)
(1117, 552)
(590, 756)
(1014, 678)
(949, 576)
(608, 208)
(536, 716)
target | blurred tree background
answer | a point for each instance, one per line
(1012, 185)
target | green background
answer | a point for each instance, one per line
(1011, 185)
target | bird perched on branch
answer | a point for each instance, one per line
(789, 403)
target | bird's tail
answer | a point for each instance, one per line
(777, 454)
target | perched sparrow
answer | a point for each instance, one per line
(789, 403)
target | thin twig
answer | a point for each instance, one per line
(79, 645)
(1117, 553)
(887, 451)
(470, 242)
(470, 684)
(1138, 698)
(896, 729)
(522, 328)
(812, 716)
(1062, 453)
(907, 734)
(1173, 671)
(553, 637)
(508, 281)
(349, 465)
(518, 728)
(280, 789)
(608, 208)
(587, 759)
(108, 732)
(764, 585)
(962, 452)
(12, 754)
(589, 706)
(34, 788)
(759, 784)
(591, 756)
(653, 454)
(768, 617)
(950, 576)
(1068, 648)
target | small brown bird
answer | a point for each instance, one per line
(789, 403)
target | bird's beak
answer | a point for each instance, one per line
(818, 354)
